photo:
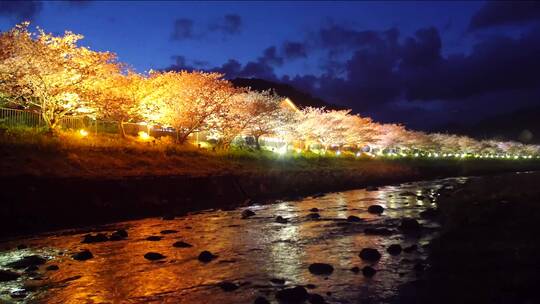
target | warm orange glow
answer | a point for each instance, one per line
(83, 133)
(143, 136)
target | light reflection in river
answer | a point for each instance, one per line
(250, 252)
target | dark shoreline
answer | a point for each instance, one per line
(33, 204)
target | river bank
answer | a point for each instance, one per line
(488, 248)
(51, 187)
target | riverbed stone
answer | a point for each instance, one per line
(411, 248)
(247, 213)
(19, 294)
(314, 210)
(375, 209)
(206, 256)
(261, 300)
(119, 235)
(154, 238)
(52, 268)
(314, 216)
(321, 269)
(377, 231)
(394, 249)
(94, 238)
(368, 271)
(154, 256)
(7, 275)
(292, 295)
(315, 298)
(370, 254)
(168, 231)
(353, 218)
(228, 286)
(27, 261)
(82, 255)
(281, 220)
(410, 225)
(182, 244)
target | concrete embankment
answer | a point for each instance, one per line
(31, 203)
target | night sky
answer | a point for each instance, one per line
(425, 64)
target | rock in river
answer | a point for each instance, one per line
(394, 249)
(119, 235)
(261, 300)
(27, 261)
(375, 209)
(353, 218)
(292, 295)
(368, 271)
(321, 269)
(206, 256)
(97, 238)
(410, 225)
(247, 213)
(6, 275)
(168, 231)
(52, 268)
(154, 238)
(181, 244)
(281, 220)
(313, 216)
(83, 255)
(370, 254)
(228, 286)
(154, 256)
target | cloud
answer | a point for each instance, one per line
(20, 10)
(231, 24)
(183, 29)
(495, 13)
(294, 50)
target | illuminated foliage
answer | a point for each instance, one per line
(51, 74)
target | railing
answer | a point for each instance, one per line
(14, 117)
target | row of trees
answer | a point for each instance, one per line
(53, 75)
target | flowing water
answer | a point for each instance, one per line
(251, 252)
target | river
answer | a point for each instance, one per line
(257, 254)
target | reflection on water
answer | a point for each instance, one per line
(250, 252)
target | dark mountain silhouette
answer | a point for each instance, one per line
(522, 125)
(300, 99)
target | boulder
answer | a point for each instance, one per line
(181, 244)
(261, 300)
(321, 269)
(247, 213)
(168, 231)
(206, 256)
(314, 210)
(410, 225)
(292, 295)
(353, 218)
(281, 220)
(6, 275)
(316, 299)
(369, 254)
(227, 286)
(375, 209)
(97, 238)
(19, 294)
(154, 256)
(119, 235)
(394, 249)
(313, 216)
(27, 261)
(411, 248)
(82, 255)
(52, 268)
(377, 231)
(368, 271)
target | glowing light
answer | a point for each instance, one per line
(144, 136)
(83, 133)
(358, 154)
(338, 152)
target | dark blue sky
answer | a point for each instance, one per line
(421, 63)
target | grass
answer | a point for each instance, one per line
(28, 151)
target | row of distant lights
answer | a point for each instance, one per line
(282, 150)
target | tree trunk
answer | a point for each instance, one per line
(122, 130)
(257, 144)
